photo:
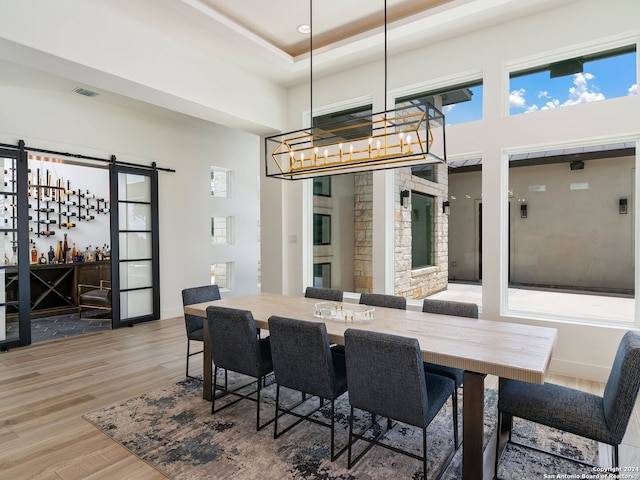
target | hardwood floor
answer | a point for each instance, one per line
(46, 388)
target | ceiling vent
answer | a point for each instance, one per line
(85, 92)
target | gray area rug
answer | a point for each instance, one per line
(172, 429)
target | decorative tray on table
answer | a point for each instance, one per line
(341, 312)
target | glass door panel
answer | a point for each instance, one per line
(15, 319)
(135, 235)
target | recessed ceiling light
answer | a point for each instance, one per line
(304, 29)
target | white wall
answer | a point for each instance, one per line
(567, 30)
(64, 121)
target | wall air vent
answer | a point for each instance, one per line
(85, 92)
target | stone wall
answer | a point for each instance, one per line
(363, 226)
(421, 282)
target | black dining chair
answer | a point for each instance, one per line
(328, 294)
(458, 309)
(383, 300)
(236, 346)
(386, 378)
(193, 323)
(600, 418)
(303, 361)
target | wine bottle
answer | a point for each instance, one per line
(66, 225)
(46, 210)
(65, 249)
(59, 252)
(68, 202)
(87, 217)
(46, 221)
(47, 233)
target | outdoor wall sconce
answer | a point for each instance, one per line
(446, 206)
(403, 194)
(576, 165)
(523, 210)
(622, 206)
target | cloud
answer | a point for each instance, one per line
(583, 91)
(516, 99)
(447, 108)
(633, 89)
(543, 94)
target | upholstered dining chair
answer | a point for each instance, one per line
(329, 294)
(386, 377)
(193, 323)
(458, 309)
(382, 300)
(236, 346)
(303, 361)
(600, 418)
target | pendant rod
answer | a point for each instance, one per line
(385, 55)
(311, 61)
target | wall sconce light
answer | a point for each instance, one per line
(446, 206)
(576, 165)
(523, 210)
(622, 206)
(403, 194)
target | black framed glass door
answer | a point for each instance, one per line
(15, 326)
(135, 277)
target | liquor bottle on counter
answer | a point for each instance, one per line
(59, 252)
(91, 254)
(65, 251)
(74, 252)
(42, 260)
(52, 255)
(34, 255)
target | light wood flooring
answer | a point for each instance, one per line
(46, 388)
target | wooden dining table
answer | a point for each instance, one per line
(479, 347)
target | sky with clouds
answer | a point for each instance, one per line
(603, 79)
(600, 80)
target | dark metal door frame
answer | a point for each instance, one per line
(116, 262)
(20, 229)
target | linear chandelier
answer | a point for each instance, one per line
(412, 134)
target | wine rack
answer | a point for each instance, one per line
(60, 206)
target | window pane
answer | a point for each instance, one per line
(135, 275)
(422, 230)
(134, 188)
(322, 275)
(321, 229)
(135, 245)
(136, 303)
(221, 230)
(574, 81)
(222, 275)
(571, 242)
(459, 103)
(220, 182)
(134, 216)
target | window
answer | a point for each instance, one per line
(321, 229)
(460, 103)
(322, 186)
(221, 230)
(322, 275)
(571, 241)
(222, 275)
(422, 230)
(584, 79)
(220, 182)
